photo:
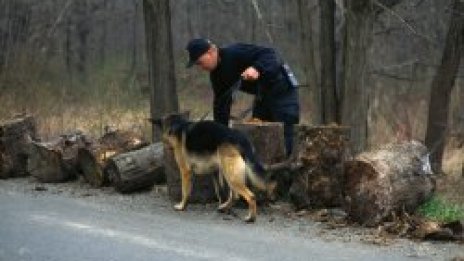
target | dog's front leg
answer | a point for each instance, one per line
(186, 179)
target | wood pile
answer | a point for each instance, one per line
(371, 188)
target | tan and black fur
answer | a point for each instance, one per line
(205, 147)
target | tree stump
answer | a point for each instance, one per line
(390, 179)
(56, 160)
(321, 152)
(202, 186)
(267, 139)
(269, 144)
(93, 157)
(16, 136)
(138, 169)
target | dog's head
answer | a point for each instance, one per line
(172, 126)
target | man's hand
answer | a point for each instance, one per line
(250, 74)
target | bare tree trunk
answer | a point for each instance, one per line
(157, 14)
(309, 63)
(102, 42)
(3, 32)
(329, 108)
(359, 22)
(14, 22)
(442, 85)
(191, 11)
(133, 44)
(67, 47)
(82, 28)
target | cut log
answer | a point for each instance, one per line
(321, 153)
(390, 179)
(93, 157)
(267, 139)
(138, 169)
(56, 160)
(16, 136)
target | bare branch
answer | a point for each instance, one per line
(395, 14)
(260, 18)
(59, 18)
(392, 76)
(398, 65)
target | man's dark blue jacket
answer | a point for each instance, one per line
(276, 99)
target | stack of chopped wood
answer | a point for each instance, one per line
(121, 154)
(16, 136)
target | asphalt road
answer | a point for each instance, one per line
(63, 228)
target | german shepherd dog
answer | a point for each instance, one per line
(205, 147)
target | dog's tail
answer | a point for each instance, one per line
(256, 172)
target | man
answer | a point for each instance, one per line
(262, 74)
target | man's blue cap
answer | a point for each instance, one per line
(196, 48)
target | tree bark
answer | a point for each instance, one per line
(102, 45)
(161, 69)
(202, 185)
(267, 139)
(386, 181)
(442, 86)
(16, 136)
(83, 30)
(269, 145)
(330, 107)
(321, 153)
(138, 169)
(55, 160)
(359, 24)
(93, 158)
(309, 63)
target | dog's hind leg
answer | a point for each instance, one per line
(229, 202)
(217, 186)
(249, 197)
(234, 169)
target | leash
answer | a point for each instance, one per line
(232, 91)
